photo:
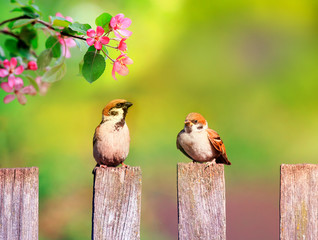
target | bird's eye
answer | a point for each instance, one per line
(118, 105)
(113, 113)
(195, 121)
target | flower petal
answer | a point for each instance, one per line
(127, 61)
(113, 22)
(58, 14)
(91, 33)
(114, 71)
(70, 42)
(11, 80)
(13, 62)
(18, 83)
(6, 63)
(117, 34)
(98, 45)
(3, 72)
(6, 87)
(66, 52)
(21, 98)
(70, 19)
(104, 40)
(125, 32)
(125, 23)
(28, 90)
(119, 17)
(123, 70)
(8, 98)
(99, 31)
(18, 70)
(90, 41)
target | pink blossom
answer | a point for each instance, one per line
(10, 70)
(58, 14)
(96, 38)
(18, 91)
(119, 24)
(43, 86)
(32, 65)
(120, 67)
(122, 46)
(66, 43)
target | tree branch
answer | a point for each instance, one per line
(13, 19)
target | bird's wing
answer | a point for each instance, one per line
(218, 144)
(180, 147)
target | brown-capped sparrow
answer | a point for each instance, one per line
(111, 139)
(201, 143)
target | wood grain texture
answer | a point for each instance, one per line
(19, 194)
(201, 201)
(116, 203)
(299, 202)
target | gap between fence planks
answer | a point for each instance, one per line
(299, 201)
(116, 203)
(19, 201)
(201, 202)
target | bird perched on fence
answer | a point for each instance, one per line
(201, 143)
(111, 139)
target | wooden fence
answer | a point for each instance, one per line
(201, 203)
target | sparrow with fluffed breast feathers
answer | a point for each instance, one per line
(111, 139)
(200, 143)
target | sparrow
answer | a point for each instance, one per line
(111, 139)
(200, 143)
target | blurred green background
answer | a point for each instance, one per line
(249, 67)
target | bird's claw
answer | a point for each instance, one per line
(124, 165)
(212, 163)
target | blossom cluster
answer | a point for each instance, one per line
(98, 38)
(14, 84)
(29, 73)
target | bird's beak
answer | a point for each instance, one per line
(188, 123)
(128, 104)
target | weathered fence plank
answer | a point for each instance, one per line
(116, 203)
(299, 202)
(19, 198)
(201, 201)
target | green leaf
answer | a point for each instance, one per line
(22, 22)
(80, 67)
(30, 11)
(82, 28)
(60, 22)
(33, 82)
(56, 73)
(69, 31)
(44, 59)
(92, 49)
(23, 49)
(27, 34)
(11, 45)
(103, 20)
(94, 66)
(53, 44)
(34, 43)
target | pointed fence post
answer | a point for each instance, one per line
(19, 196)
(201, 202)
(299, 201)
(116, 203)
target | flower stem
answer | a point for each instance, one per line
(108, 56)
